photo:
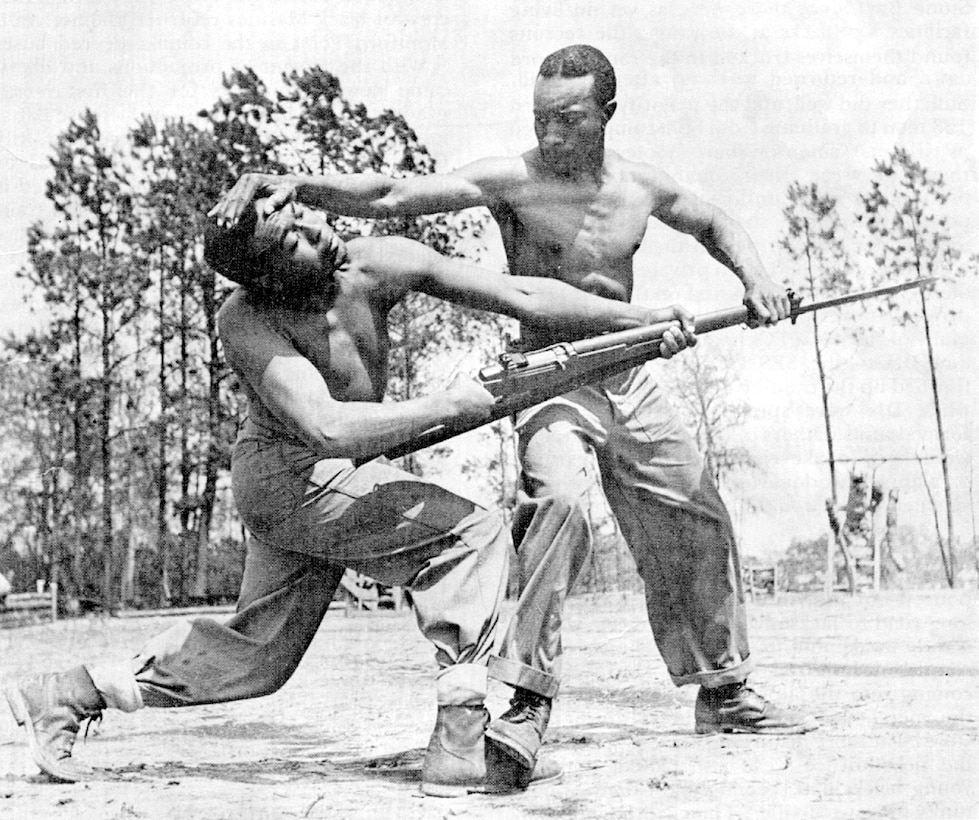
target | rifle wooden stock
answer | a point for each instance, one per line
(521, 380)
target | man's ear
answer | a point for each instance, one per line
(609, 109)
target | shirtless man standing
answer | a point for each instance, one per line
(572, 210)
(307, 337)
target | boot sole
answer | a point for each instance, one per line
(558, 777)
(719, 729)
(506, 745)
(52, 768)
(444, 790)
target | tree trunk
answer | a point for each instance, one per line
(78, 419)
(46, 512)
(823, 389)
(824, 396)
(186, 467)
(828, 580)
(105, 447)
(950, 560)
(162, 530)
(206, 509)
(127, 585)
(204, 516)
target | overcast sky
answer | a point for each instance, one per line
(734, 99)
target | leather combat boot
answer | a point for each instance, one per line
(520, 730)
(737, 708)
(51, 709)
(460, 761)
(455, 761)
(506, 773)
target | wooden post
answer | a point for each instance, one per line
(830, 578)
(876, 496)
(876, 545)
(53, 588)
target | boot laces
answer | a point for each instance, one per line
(525, 706)
(737, 690)
(95, 717)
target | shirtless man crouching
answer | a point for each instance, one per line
(307, 336)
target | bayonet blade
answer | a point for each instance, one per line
(799, 309)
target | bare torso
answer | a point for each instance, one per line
(343, 333)
(584, 232)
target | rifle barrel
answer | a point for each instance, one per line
(641, 338)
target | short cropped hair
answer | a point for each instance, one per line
(231, 251)
(580, 61)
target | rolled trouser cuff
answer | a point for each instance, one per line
(117, 685)
(717, 677)
(463, 684)
(520, 675)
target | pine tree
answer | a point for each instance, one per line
(907, 237)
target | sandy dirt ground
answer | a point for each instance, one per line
(892, 678)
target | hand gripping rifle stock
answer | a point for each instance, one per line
(521, 380)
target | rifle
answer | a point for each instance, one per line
(521, 380)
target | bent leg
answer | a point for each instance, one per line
(553, 539)
(450, 553)
(283, 599)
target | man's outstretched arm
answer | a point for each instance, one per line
(561, 310)
(370, 195)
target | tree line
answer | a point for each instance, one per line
(119, 414)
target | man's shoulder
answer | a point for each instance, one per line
(231, 306)
(646, 174)
(245, 309)
(236, 313)
(495, 173)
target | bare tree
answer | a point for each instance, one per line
(704, 390)
(906, 232)
(813, 240)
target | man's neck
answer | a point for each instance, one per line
(588, 170)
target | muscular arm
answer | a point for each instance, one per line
(295, 392)
(723, 238)
(377, 196)
(371, 195)
(537, 302)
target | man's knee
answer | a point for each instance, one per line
(550, 515)
(484, 530)
(564, 503)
